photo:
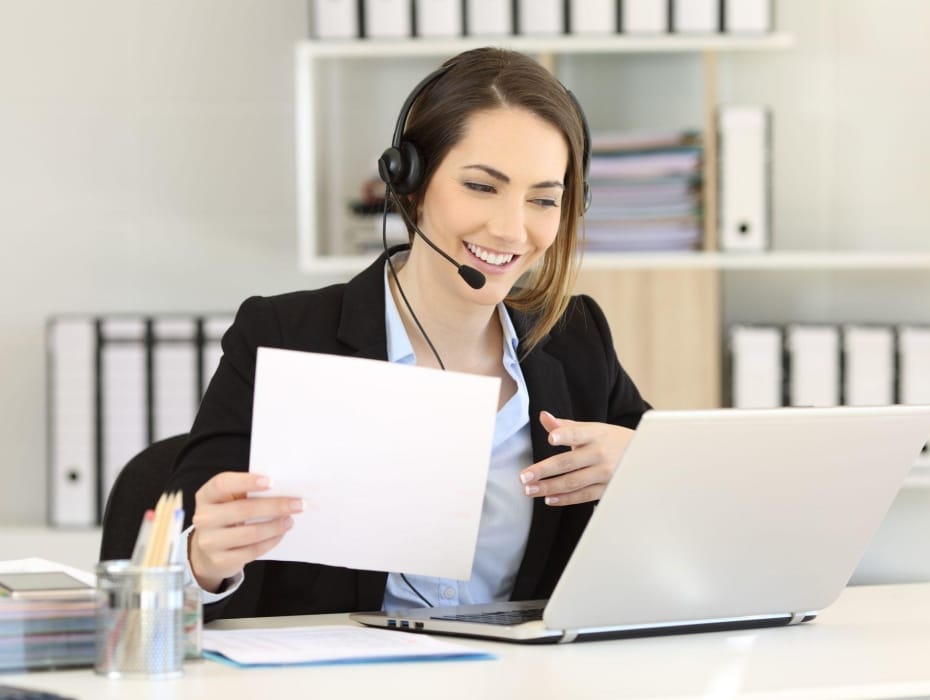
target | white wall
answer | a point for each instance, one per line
(147, 158)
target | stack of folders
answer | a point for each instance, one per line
(646, 192)
(115, 385)
(394, 19)
(829, 365)
(42, 633)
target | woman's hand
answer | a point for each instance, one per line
(582, 473)
(231, 529)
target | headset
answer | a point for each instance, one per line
(402, 168)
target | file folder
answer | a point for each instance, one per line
(387, 19)
(72, 452)
(869, 365)
(592, 16)
(914, 370)
(696, 16)
(540, 17)
(747, 16)
(488, 17)
(644, 16)
(813, 365)
(334, 19)
(757, 371)
(124, 422)
(743, 177)
(175, 383)
(434, 18)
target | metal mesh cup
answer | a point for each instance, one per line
(140, 626)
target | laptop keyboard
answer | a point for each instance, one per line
(500, 617)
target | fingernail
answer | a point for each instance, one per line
(551, 500)
(288, 523)
(296, 505)
(530, 490)
(554, 438)
(263, 482)
(526, 477)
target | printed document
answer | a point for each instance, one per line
(391, 460)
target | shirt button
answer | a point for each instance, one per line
(448, 593)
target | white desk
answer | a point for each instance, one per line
(874, 642)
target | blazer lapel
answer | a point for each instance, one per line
(548, 390)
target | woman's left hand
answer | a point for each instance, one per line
(580, 474)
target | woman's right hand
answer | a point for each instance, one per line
(231, 529)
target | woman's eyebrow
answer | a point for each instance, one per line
(498, 175)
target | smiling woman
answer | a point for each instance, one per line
(488, 165)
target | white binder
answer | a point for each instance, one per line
(696, 16)
(213, 329)
(388, 19)
(747, 16)
(756, 364)
(489, 17)
(813, 365)
(644, 16)
(868, 355)
(176, 392)
(438, 17)
(592, 16)
(72, 456)
(540, 17)
(334, 19)
(914, 369)
(124, 405)
(743, 177)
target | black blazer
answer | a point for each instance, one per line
(572, 373)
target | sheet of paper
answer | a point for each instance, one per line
(391, 460)
(328, 644)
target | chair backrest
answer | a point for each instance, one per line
(136, 489)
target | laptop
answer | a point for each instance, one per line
(714, 519)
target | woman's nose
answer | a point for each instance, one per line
(509, 221)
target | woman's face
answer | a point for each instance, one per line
(494, 202)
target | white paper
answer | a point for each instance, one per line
(392, 460)
(325, 644)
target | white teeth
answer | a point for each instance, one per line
(488, 257)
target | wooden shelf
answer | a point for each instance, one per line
(558, 44)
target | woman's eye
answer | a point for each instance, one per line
(479, 187)
(544, 202)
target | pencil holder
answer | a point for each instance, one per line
(140, 620)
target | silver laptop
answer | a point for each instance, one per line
(715, 519)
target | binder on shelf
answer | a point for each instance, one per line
(175, 381)
(213, 328)
(124, 416)
(72, 368)
(434, 18)
(696, 16)
(592, 16)
(488, 17)
(743, 177)
(869, 365)
(757, 373)
(538, 17)
(914, 370)
(334, 19)
(387, 19)
(644, 16)
(747, 16)
(813, 365)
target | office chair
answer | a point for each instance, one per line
(136, 489)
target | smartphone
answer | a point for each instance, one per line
(45, 584)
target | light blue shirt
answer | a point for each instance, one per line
(506, 513)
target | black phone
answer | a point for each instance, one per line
(44, 584)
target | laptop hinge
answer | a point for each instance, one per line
(568, 636)
(797, 618)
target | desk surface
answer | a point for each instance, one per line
(874, 642)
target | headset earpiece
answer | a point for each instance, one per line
(401, 167)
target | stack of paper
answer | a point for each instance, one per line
(645, 191)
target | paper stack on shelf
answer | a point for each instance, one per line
(646, 192)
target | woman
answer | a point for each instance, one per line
(488, 167)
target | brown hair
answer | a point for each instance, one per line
(489, 78)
